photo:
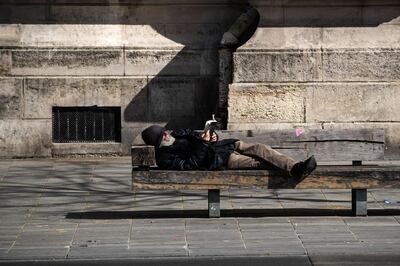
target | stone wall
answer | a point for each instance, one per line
(320, 64)
(157, 60)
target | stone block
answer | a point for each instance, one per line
(170, 98)
(172, 101)
(22, 13)
(128, 136)
(326, 16)
(202, 35)
(377, 15)
(271, 16)
(279, 38)
(170, 62)
(264, 66)
(9, 34)
(67, 62)
(369, 65)
(43, 93)
(130, 12)
(360, 37)
(70, 35)
(266, 103)
(135, 102)
(353, 102)
(10, 97)
(25, 138)
(151, 36)
(5, 61)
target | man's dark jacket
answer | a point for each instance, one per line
(191, 152)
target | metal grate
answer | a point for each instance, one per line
(86, 124)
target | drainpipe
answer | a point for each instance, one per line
(238, 34)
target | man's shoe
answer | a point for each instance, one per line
(304, 168)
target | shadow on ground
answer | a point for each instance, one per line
(104, 215)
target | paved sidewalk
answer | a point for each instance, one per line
(68, 210)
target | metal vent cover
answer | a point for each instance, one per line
(86, 124)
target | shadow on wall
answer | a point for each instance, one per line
(181, 80)
(184, 91)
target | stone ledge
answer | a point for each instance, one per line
(82, 148)
(335, 65)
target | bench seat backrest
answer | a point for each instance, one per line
(325, 144)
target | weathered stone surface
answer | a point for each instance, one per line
(112, 35)
(5, 61)
(23, 138)
(86, 148)
(67, 62)
(195, 35)
(9, 34)
(23, 13)
(323, 16)
(353, 102)
(371, 65)
(75, 35)
(360, 37)
(172, 101)
(171, 62)
(270, 16)
(43, 93)
(10, 97)
(264, 66)
(135, 102)
(131, 12)
(151, 36)
(179, 96)
(279, 38)
(375, 15)
(266, 103)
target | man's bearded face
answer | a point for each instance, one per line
(167, 140)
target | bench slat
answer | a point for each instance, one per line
(328, 177)
(309, 135)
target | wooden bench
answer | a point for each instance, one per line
(341, 157)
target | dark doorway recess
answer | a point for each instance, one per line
(86, 124)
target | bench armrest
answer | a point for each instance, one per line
(143, 156)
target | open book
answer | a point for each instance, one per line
(212, 125)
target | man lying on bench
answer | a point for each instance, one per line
(185, 149)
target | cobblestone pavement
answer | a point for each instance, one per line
(84, 209)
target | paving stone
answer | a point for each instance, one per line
(56, 238)
(231, 251)
(121, 251)
(368, 221)
(102, 235)
(301, 229)
(298, 221)
(36, 253)
(360, 259)
(6, 244)
(48, 226)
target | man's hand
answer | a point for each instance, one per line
(206, 136)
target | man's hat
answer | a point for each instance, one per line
(153, 135)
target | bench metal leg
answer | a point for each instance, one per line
(359, 202)
(213, 203)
